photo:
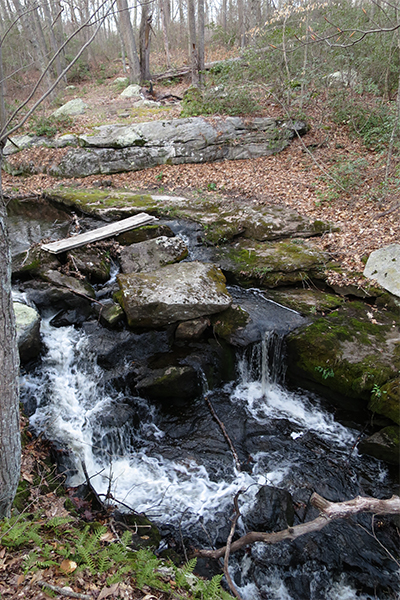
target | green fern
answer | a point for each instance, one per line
(182, 573)
(145, 564)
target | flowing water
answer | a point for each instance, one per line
(178, 469)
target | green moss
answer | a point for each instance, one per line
(226, 323)
(356, 349)
(385, 400)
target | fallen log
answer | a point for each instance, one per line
(329, 511)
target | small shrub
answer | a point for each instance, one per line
(347, 178)
(50, 126)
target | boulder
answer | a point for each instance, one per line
(72, 108)
(271, 264)
(347, 354)
(80, 288)
(306, 301)
(32, 261)
(173, 293)
(173, 384)
(152, 254)
(383, 266)
(383, 444)
(27, 321)
(131, 91)
(46, 295)
(192, 330)
(141, 234)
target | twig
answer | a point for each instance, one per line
(89, 484)
(389, 211)
(224, 433)
(231, 585)
(64, 591)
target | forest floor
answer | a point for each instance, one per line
(365, 211)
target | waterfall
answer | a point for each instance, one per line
(284, 439)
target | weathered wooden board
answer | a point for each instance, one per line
(99, 234)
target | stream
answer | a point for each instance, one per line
(175, 465)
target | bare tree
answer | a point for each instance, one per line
(129, 41)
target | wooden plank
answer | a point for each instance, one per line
(99, 234)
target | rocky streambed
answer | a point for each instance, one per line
(218, 302)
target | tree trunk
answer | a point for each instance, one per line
(193, 43)
(164, 25)
(201, 25)
(242, 25)
(129, 41)
(144, 43)
(10, 440)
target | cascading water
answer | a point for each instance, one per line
(179, 471)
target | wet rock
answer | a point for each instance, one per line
(110, 313)
(141, 234)
(306, 301)
(152, 254)
(92, 261)
(74, 285)
(173, 385)
(72, 316)
(349, 352)
(273, 511)
(385, 400)
(174, 293)
(231, 324)
(192, 330)
(271, 264)
(383, 445)
(27, 321)
(46, 295)
(383, 266)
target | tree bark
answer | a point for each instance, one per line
(164, 25)
(144, 43)
(329, 511)
(10, 440)
(193, 43)
(129, 41)
(201, 27)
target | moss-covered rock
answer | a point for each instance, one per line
(383, 444)
(142, 234)
(92, 261)
(385, 400)
(306, 301)
(271, 264)
(228, 324)
(30, 262)
(349, 352)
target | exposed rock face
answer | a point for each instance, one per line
(192, 330)
(27, 320)
(152, 254)
(174, 293)
(383, 265)
(116, 148)
(131, 91)
(385, 400)
(273, 511)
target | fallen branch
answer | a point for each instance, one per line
(230, 583)
(64, 591)
(225, 434)
(329, 511)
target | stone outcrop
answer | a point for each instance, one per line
(72, 108)
(116, 148)
(178, 292)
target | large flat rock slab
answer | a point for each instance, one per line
(117, 148)
(177, 292)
